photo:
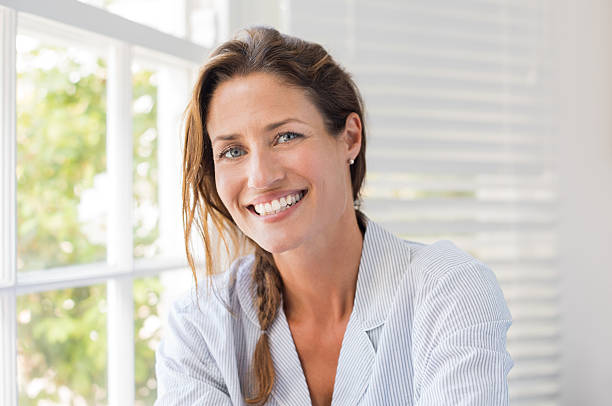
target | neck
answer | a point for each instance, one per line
(320, 278)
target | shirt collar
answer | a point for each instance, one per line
(384, 259)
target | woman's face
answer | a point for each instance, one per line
(284, 179)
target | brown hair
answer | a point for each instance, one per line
(298, 63)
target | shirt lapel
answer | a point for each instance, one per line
(384, 260)
(290, 387)
(354, 364)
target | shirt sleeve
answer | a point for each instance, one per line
(186, 372)
(462, 355)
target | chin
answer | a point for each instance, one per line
(275, 246)
(274, 239)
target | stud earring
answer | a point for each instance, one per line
(351, 161)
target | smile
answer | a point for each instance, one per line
(277, 205)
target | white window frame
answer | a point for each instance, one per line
(69, 20)
(8, 219)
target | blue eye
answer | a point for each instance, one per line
(232, 153)
(285, 137)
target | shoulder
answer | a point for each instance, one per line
(441, 261)
(455, 283)
(201, 325)
(439, 258)
(422, 261)
(195, 355)
(214, 296)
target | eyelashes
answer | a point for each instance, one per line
(232, 152)
(286, 135)
(228, 150)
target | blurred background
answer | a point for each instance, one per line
(489, 123)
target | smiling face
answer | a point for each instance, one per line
(283, 178)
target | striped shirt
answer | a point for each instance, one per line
(428, 327)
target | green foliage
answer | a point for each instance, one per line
(61, 129)
(62, 339)
(147, 336)
(61, 147)
(145, 161)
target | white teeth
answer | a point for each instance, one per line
(276, 206)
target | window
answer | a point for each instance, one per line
(91, 209)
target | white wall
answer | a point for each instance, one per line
(585, 152)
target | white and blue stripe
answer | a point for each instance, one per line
(428, 328)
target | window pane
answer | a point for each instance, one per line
(152, 300)
(146, 207)
(62, 347)
(61, 159)
(160, 93)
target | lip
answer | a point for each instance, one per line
(273, 196)
(281, 215)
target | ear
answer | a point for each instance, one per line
(352, 135)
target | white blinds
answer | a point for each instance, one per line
(460, 138)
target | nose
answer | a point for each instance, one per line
(265, 171)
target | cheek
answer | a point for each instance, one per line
(323, 168)
(227, 187)
(310, 164)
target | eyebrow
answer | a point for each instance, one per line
(273, 126)
(269, 127)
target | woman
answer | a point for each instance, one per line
(329, 308)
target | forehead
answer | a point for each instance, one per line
(256, 100)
